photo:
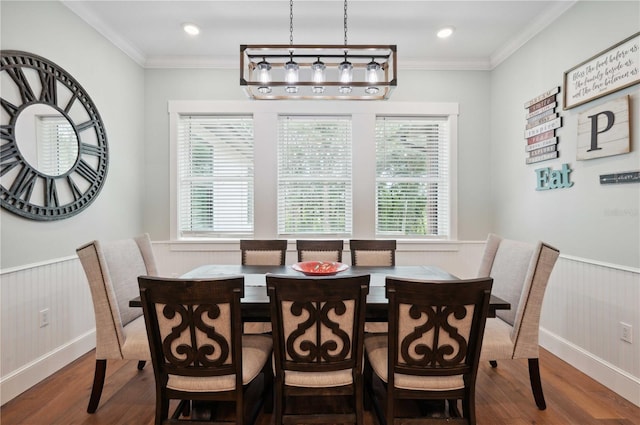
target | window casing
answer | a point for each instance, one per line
(365, 118)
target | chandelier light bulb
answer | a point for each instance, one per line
(318, 69)
(346, 71)
(372, 72)
(291, 69)
(191, 29)
(264, 71)
(445, 32)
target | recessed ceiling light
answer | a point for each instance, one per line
(191, 29)
(445, 32)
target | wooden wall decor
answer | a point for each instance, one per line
(604, 130)
(542, 121)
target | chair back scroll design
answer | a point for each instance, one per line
(318, 326)
(195, 334)
(433, 346)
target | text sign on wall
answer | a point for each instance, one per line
(608, 71)
(547, 178)
(542, 121)
(604, 130)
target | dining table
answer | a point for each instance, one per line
(255, 303)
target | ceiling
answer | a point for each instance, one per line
(487, 32)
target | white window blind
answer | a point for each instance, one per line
(314, 175)
(57, 144)
(412, 177)
(215, 175)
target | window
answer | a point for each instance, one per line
(291, 169)
(412, 177)
(57, 144)
(215, 175)
(314, 175)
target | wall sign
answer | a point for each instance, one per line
(610, 70)
(627, 177)
(548, 178)
(542, 121)
(604, 130)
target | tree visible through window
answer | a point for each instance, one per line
(412, 177)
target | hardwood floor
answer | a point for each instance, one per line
(503, 397)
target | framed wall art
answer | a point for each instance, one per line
(608, 71)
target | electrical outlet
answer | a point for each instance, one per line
(44, 317)
(625, 332)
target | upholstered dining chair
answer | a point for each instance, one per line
(373, 252)
(432, 349)
(520, 272)
(112, 269)
(263, 252)
(320, 250)
(198, 350)
(318, 325)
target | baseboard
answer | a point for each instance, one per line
(610, 376)
(30, 374)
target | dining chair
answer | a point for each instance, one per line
(112, 269)
(432, 349)
(318, 326)
(320, 250)
(198, 350)
(373, 252)
(263, 252)
(520, 272)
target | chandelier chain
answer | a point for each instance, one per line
(345, 22)
(291, 22)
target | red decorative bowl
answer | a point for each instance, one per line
(320, 268)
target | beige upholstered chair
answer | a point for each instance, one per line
(197, 347)
(433, 346)
(112, 269)
(318, 325)
(520, 272)
(372, 252)
(264, 252)
(320, 250)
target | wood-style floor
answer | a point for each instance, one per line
(503, 397)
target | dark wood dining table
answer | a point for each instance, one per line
(255, 303)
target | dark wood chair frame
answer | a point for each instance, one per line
(443, 295)
(372, 245)
(319, 245)
(207, 293)
(309, 293)
(264, 245)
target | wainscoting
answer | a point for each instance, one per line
(584, 304)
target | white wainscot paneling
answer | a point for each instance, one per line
(30, 353)
(580, 323)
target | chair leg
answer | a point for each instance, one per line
(493, 363)
(268, 392)
(98, 383)
(536, 383)
(141, 364)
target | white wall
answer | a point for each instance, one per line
(116, 86)
(588, 220)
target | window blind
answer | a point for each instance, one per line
(57, 145)
(412, 177)
(215, 175)
(314, 175)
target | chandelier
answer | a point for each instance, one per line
(306, 71)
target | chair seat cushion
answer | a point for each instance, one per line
(136, 343)
(376, 348)
(497, 343)
(318, 379)
(256, 350)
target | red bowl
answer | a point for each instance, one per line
(320, 268)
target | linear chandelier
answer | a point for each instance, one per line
(307, 71)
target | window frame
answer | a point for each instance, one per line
(265, 115)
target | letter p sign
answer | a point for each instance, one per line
(604, 130)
